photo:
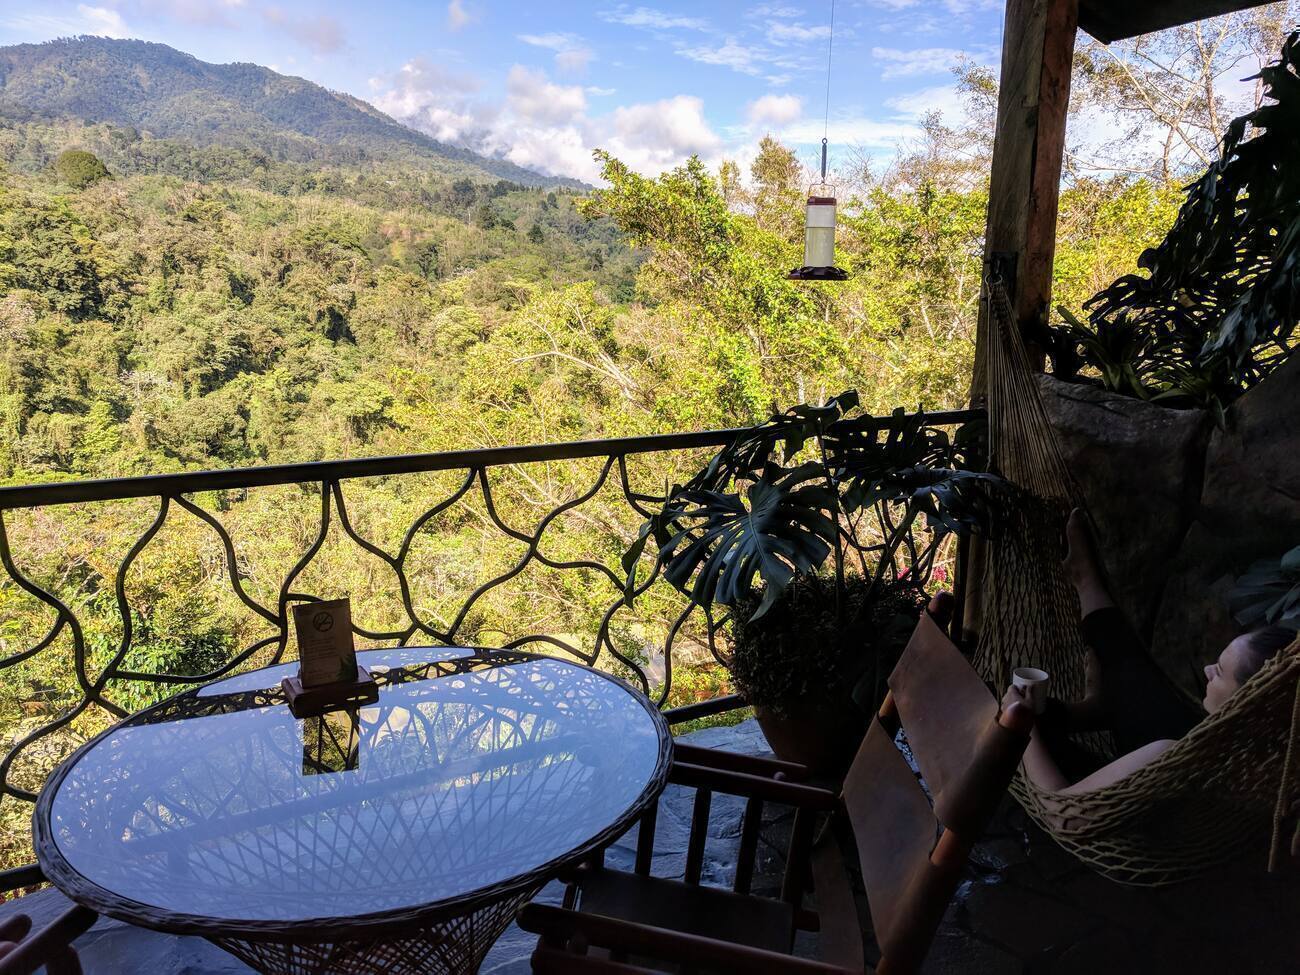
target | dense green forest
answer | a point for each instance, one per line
(218, 322)
(191, 304)
(157, 322)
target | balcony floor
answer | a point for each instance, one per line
(1026, 908)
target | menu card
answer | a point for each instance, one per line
(326, 654)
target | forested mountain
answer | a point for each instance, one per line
(156, 90)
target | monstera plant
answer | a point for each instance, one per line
(1269, 593)
(1217, 310)
(818, 531)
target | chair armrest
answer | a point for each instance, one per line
(738, 762)
(752, 786)
(555, 924)
(19, 877)
(51, 946)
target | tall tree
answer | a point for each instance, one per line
(1174, 92)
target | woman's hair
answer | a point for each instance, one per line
(1261, 646)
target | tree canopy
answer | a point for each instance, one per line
(79, 168)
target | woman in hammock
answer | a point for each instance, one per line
(1127, 693)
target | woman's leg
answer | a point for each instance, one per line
(1139, 702)
(1082, 569)
(1129, 691)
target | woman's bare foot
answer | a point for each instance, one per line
(1081, 565)
(1080, 562)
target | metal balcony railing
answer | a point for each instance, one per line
(509, 547)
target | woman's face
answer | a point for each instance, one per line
(1221, 676)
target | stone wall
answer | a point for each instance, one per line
(1182, 505)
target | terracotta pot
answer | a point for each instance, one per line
(820, 734)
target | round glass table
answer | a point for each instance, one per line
(396, 837)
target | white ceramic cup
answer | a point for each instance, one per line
(1033, 684)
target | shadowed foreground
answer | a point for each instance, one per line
(1025, 908)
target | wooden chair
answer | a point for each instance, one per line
(911, 851)
(23, 952)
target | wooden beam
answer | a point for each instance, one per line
(1029, 145)
(1113, 20)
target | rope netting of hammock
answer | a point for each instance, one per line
(1225, 795)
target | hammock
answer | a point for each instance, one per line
(1213, 800)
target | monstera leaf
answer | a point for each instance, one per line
(716, 543)
(1219, 307)
(748, 516)
(912, 462)
(957, 501)
(1269, 593)
(756, 448)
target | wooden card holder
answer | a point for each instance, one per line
(309, 702)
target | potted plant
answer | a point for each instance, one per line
(808, 528)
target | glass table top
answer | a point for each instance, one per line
(472, 771)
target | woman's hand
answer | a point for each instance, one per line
(1014, 695)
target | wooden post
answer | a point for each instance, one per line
(1024, 193)
(1024, 185)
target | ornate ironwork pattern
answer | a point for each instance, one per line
(101, 677)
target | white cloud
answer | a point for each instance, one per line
(959, 8)
(574, 61)
(729, 54)
(430, 98)
(571, 54)
(650, 18)
(925, 60)
(556, 42)
(945, 99)
(557, 151)
(783, 33)
(457, 15)
(544, 125)
(548, 126)
(421, 75)
(774, 110)
(774, 10)
(102, 21)
(533, 99)
(656, 136)
(320, 32)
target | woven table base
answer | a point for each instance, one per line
(455, 947)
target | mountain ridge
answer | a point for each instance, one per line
(173, 95)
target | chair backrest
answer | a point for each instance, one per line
(912, 850)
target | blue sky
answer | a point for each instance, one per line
(544, 83)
